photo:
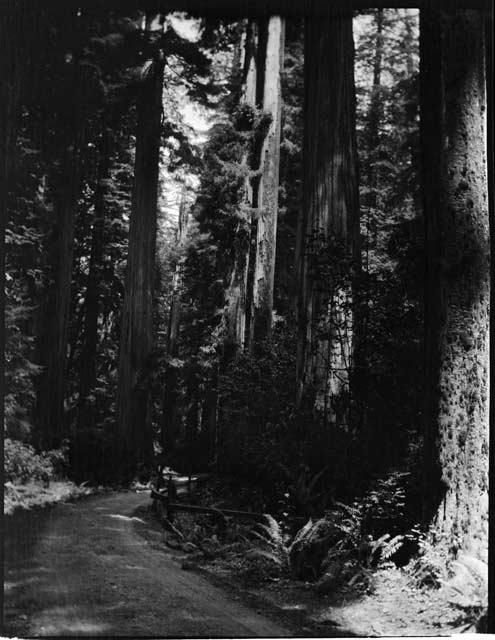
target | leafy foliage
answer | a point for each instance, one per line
(22, 464)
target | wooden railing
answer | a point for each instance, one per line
(179, 486)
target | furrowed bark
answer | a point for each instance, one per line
(55, 307)
(134, 430)
(453, 132)
(266, 230)
(329, 217)
(92, 299)
(175, 308)
(170, 419)
(235, 297)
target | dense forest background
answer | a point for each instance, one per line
(238, 246)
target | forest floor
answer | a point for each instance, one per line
(95, 567)
(386, 602)
(101, 566)
(394, 607)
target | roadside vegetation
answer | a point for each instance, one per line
(36, 479)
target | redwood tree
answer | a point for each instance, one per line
(65, 149)
(250, 292)
(328, 226)
(134, 437)
(234, 319)
(87, 380)
(267, 196)
(170, 418)
(453, 136)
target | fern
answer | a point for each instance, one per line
(377, 545)
(265, 555)
(391, 547)
(273, 548)
(271, 535)
(271, 530)
(384, 548)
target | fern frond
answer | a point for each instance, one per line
(302, 533)
(377, 544)
(270, 531)
(146, 69)
(262, 537)
(392, 546)
(266, 555)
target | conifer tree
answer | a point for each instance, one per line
(134, 429)
(329, 221)
(453, 137)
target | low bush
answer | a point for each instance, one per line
(23, 464)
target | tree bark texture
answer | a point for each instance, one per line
(266, 228)
(375, 111)
(329, 221)
(453, 131)
(54, 310)
(175, 305)
(209, 421)
(134, 430)
(236, 304)
(87, 380)
(170, 418)
(250, 291)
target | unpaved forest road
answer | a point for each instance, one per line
(83, 569)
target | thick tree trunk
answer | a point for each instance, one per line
(175, 305)
(134, 430)
(87, 380)
(453, 131)
(329, 220)
(54, 310)
(209, 419)
(266, 228)
(235, 296)
(170, 418)
(54, 313)
(368, 434)
(375, 112)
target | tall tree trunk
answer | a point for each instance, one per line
(175, 305)
(266, 228)
(368, 435)
(170, 418)
(453, 137)
(55, 307)
(329, 220)
(209, 419)
(375, 113)
(134, 430)
(87, 380)
(236, 304)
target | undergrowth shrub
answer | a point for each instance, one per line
(269, 556)
(23, 464)
(431, 565)
(383, 505)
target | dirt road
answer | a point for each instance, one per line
(84, 569)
